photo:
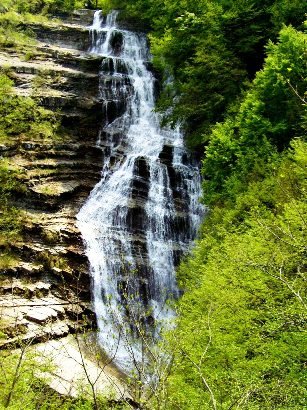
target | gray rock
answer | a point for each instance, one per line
(41, 315)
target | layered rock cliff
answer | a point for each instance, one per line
(46, 290)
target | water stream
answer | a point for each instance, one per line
(144, 213)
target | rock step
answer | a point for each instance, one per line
(67, 87)
(54, 148)
(55, 83)
(56, 175)
(17, 287)
(82, 17)
(80, 60)
(25, 311)
(43, 67)
(51, 187)
(58, 190)
(59, 100)
(67, 35)
(23, 268)
(58, 260)
(38, 333)
(44, 160)
(61, 173)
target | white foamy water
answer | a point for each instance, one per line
(145, 210)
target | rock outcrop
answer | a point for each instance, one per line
(45, 290)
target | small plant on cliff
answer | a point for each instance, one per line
(22, 117)
(10, 217)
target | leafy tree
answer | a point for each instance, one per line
(206, 50)
(269, 117)
(240, 336)
(242, 320)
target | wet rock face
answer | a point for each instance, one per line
(116, 42)
(140, 183)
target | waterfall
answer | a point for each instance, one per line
(143, 214)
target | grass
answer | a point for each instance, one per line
(11, 218)
(8, 260)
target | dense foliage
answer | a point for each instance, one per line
(270, 116)
(40, 6)
(208, 50)
(234, 74)
(241, 332)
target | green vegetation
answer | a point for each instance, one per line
(242, 322)
(22, 389)
(14, 15)
(47, 7)
(40, 7)
(10, 217)
(235, 75)
(8, 260)
(207, 52)
(270, 116)
(241, 328)
(20, 119)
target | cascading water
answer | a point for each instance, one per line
(145, 211)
